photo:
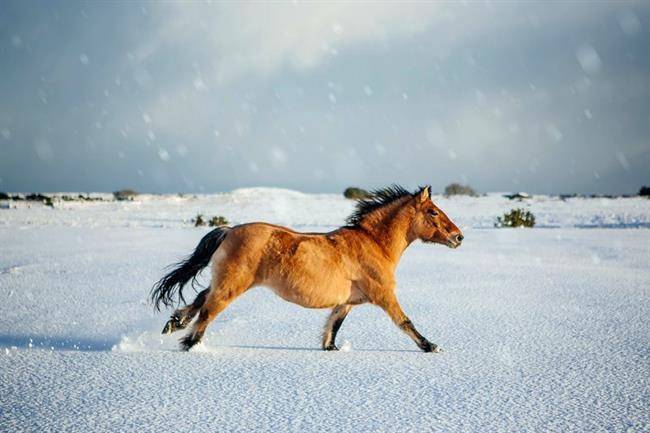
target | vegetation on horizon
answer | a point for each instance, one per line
(458, 189)
(125, 194)
(215, 221)
(355, 193)
(516, 218)
(644, 191)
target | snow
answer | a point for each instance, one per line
(589, 59)
(543, 329)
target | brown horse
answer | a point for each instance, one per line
(352, 265)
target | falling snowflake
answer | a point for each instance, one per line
(199, 84)
(554, 132)
(623, 160)
(278, 155)
(629, 22)
(589, 59)
(163, 155)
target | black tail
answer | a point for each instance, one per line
(165, 290)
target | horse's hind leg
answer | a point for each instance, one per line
(334, 322)
(222, 294)
(183, 316)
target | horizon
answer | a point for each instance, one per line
(434, 191)
(190, 98)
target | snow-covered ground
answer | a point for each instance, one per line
(293, 208)
(544, 329)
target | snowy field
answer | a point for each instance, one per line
(544, 329)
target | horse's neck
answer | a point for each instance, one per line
(391, 232)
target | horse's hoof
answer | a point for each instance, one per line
(170, 326)
(331, 347)
(189, 341)
(431, 348)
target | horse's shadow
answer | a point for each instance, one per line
(312, 349)
(57, 343)
(64, 343)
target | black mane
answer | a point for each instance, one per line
(380, 197)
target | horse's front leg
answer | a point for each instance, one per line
(334, 322)
(389, 304)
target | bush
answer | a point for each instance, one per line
(46, 200)
(516, 218)
(218, 221)
(4, 196)
(215, 221)
(645, 191)
(198, 221)
(355, 193)
(518, 196)
(125, 194)
(37, 197)
(15, 197)
(81, 197)
(458, 189)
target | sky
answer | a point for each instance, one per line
(207, 97)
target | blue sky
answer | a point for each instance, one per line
(200, 97)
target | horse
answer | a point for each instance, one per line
(352, 265)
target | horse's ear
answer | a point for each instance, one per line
(425, 194)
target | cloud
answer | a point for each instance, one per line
(262, 38)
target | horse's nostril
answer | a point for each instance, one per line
(460, 238)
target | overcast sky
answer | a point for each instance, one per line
(505, 96)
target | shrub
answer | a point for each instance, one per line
(355, 193)
(4, 196)
(218, 221)
(518, 196)
(458, 189)
(645, 191)
(125, 194)
(47, 201)
(516, 218)
(215, 221)
(198, 221)
(36, 197)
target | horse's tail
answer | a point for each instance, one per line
(164, 291)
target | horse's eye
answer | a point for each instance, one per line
(432, 212)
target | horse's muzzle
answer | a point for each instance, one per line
(454, 241)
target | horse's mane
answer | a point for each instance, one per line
(379, 198)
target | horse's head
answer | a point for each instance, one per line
(430, 224)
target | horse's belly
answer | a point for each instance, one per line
(309, 273)
(324, 295)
